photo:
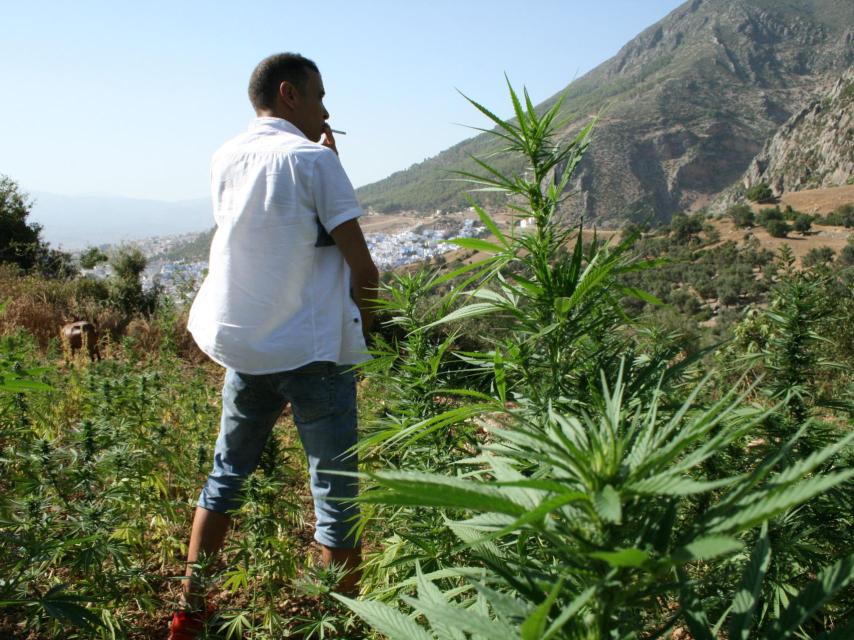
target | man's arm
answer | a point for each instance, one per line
(364, 275)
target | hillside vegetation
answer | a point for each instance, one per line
(569, 438)
(683, 109)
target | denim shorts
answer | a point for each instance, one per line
(323, 398)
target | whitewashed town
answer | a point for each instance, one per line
(390, 250)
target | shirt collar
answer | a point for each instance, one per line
(267, 122)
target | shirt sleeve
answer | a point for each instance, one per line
(334, 198)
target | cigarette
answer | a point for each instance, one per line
(343, 133)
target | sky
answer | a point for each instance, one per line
(132, 98)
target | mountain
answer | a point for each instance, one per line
(814, 148)
(74, 222)
(684, 107)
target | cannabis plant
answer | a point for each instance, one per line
(598, 499)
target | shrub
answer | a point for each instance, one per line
(769, 213)
(777, 228)
(842, 216)
(818, 256)
(684, 228)
(92, 257)
(742, 216)
(760, 193)
(802, 224)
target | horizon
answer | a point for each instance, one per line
(121, 131)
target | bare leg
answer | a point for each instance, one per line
(351, 559)
(206, 539)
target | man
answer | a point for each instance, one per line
(284, 309)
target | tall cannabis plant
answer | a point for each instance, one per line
(597, 502)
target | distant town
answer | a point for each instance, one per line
(180, 278)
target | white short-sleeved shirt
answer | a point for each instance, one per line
(277, 293)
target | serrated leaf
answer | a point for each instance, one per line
(385, 619)
(829, 582)
(622, 558)
(747, 597)
(423, 489)
(476, 244)
(535, 624)
(707, 548)
(607, 503)
(766, 504)
(465, 620)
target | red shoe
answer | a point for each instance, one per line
(188, 625)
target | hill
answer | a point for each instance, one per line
(74, 222)
(685, 107)
(814, 148)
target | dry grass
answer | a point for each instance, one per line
(40, 307)
(820, 236)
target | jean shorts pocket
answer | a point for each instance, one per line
(313, 395)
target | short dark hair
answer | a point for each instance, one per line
(272, 71)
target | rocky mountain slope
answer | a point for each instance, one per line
(684, 108)
(814, 148)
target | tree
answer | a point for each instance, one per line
(684, 227)
(760, 193)
(741, 215)
(126, 291)
(818, 256)
(769, 213)
(92, 257)
(778, 228)
(802, 224)
(19, 241)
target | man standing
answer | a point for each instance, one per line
(284, 310)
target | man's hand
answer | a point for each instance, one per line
(328, 139)
(364, 277)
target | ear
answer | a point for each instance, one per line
(288, 93)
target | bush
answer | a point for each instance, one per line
(818, 256)
(684, 228)
(760, 193)
(92, 257)
(802, 224)
(843, 216)
(742, 216)
(777, 228)
(769, 213)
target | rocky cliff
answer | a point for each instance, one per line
(684, 108)
(814, 148)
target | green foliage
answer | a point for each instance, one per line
(768, 214)
(684, 228)
(818, 256)
(742, 215)
(802, 224)
(842, 216)
(777, 228)
(760, 193)
(20, 241)
(92, 257)
(126, 292)
(606, 491)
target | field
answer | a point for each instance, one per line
(561, 438)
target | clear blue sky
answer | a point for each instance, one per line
(131, 98)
